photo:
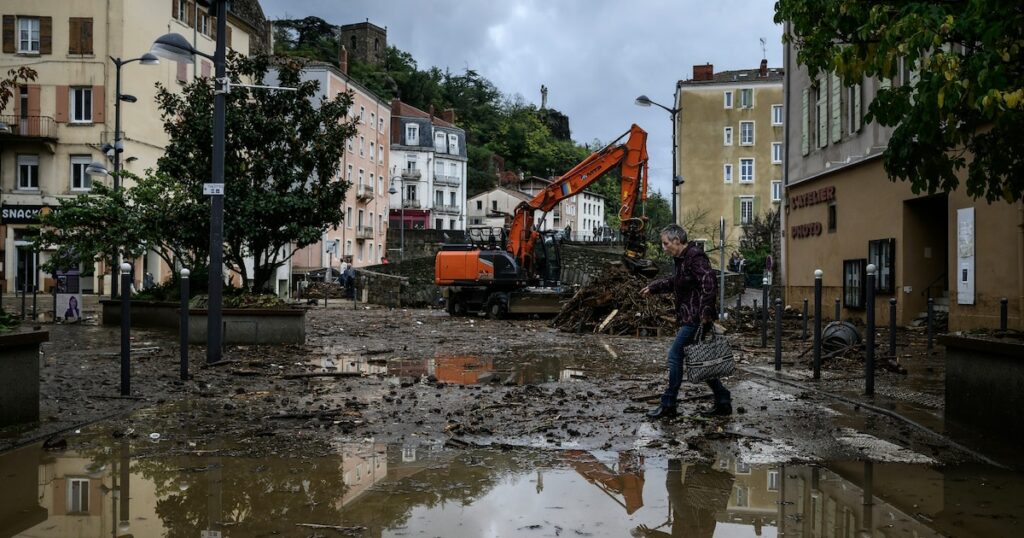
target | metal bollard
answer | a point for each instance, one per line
(126, 324)
(817, 323)
(869, 343)
(892, 327)
(803, 331)
(1002, 314)
(183, 325)
(778, 334)
(931, 322)
(355, 295)
(839, 311)
(755, 307)
(739, 300)
(764, 312)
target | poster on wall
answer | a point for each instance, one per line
(965, 256)
(69, 295)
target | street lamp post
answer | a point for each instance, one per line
(118, 147)
(677, 180)
(401, 211)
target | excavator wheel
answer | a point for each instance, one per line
(497, 306)
(455, 306)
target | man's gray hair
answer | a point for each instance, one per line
(674, 231)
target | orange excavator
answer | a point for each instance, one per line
(518, 270)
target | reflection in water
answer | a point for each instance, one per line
(110, 488)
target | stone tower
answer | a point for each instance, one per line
(365, 42)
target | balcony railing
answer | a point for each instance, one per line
(29, 127)
(411, 204)
(451, 181)
(364, 232)
(364, 192)
(411, 175)
(442, 208)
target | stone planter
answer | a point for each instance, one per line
(19, 384)
(985, 384)
(146, 314)
(250, 326)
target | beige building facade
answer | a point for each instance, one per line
(842, 213)
(730, 136)
(59, 122)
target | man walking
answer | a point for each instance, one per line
(695, 288)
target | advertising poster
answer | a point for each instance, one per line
(69, 295)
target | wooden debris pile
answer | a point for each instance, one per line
(317, 290)
(611, 304)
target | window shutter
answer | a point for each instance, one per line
(227, 36)
(174, 9)
(805, 122)
(61, 114)
(191, 8)
(856, 119)
(736, 211)
(45, 35)
(756, 207)
(74, 36)
(86, 30)
(34, 108)
(837, 123)
(182, 75)
(822, 113)
(9, 44)
(98, 100)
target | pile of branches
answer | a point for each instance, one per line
(611, 304)
(317, 290)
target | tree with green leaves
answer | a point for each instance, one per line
(282, 158)
(961, 112)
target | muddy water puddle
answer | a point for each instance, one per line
(102, 486)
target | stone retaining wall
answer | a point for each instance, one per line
(19, 383)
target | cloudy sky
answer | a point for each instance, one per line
(595, 56)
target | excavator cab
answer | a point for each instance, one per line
(548, 265)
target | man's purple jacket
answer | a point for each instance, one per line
(693, 284)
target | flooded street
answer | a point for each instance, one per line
(99, 483)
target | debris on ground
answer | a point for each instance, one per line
(611, 304)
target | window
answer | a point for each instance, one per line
(372, 152)
(349, 145)
(727, 136)
(412, 134)
(348, 246)
(821, 111)
(746, 133)
(727, 99)
(853, 283)
(79, 35)
(454, 170)
(453, 144)
(182, 13)
(380, 124)
(776, 114)
(81, 105)
(494, 205)
(727, 173)
(438, 224)
(78, 495)
(439, 141)
(410, 163)
(362, 144)
(773, 481)
(882, 253)
(348, 218)
(370, 183)
(479, 205)
(362, 114)
(451, 199)
(746, 170)
(80, 181)
(348, 174)
(204, 22)
(746, 209)
(380, 153)
(28, 171)
(832, 217)
(438, 198)
(854, 108)
(776, 191)
(410, 192)
(373, 119)
(742, 496)
(359, 223)
(28, 34)
(451, 224)
(776, 152)
(360, 176)
(746, 98)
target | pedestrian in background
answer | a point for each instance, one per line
(695, 289)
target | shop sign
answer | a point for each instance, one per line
(801, 231)
(21, 214)
(820, 196)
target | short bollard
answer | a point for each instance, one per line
(1003, 303)
(892, 328)
(817, 323)
(126, 324)
(803, 331)
(764, 312)
(355, 293)
(778, 334)
(839, 311)
(931, 321)
(755, 307)
(183, 325)
(869, 334)
(739, 300)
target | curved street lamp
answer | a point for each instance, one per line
(677, 181)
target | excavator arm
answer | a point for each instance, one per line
(631, 159)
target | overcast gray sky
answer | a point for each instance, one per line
(595, 56)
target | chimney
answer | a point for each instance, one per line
(431, 111)
(448, 115)
(396, 105)
(343, 60)
(764, 68)
(704, 72)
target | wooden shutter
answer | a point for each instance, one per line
(182, 72)
(805, 122)
(74, 36)
(737, 215)
(61, 108)
(755, 207)
(822, 113)
(86, 35)
(174, 9)
(45, 35)
(856, 115)
(191, 7)
(34, 108)
(837, 109)
(227, 36)
(10, 46)
(98, 100)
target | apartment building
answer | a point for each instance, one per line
(429, 170)
(58, 123)
(583, 213)
(730, 137)
(362, 236)
(495, 208)
(843, 212)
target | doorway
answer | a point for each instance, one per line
(925, 256)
